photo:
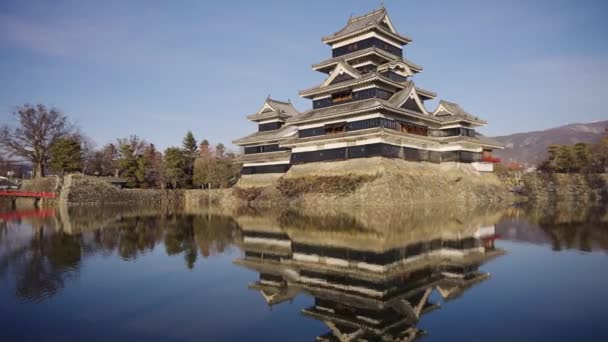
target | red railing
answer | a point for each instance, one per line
(18, 215)
(31, 194)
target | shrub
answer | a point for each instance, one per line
(329, 185)
(247, 194)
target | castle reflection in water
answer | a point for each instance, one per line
(368, 283)
(372, 274)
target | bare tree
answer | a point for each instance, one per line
(37, 129)
(135, 143)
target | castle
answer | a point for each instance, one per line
(368, 106)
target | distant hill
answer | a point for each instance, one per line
(531, 148)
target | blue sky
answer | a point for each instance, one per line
(160, 68)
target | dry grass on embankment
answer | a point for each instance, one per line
(292, 188)
(374, 181)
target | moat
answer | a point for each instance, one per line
(500, 275)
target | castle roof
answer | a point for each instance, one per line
(353, 108)
(377, 20)
(362, 53)
(453, 110)
(266, 136)
(274, 109)
(375, 104)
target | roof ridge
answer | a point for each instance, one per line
(273, 100)
(406, 90)
(349, 67)
(363, 16)
(448, 102)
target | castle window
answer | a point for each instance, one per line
(342, 97)
(335, 128)
(413, 129)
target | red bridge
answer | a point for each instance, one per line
(27, 194)
(18, 215)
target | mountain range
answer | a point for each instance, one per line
(530, 148)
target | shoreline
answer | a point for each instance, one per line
(375, 182)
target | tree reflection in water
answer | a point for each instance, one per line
(39, 257)
(565, 226)
(41, 261)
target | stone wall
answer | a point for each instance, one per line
(557, 187)
(200, 199)
(361, 182)
(84, 190)
(46, 184)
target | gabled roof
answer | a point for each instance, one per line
(274, 294)
(274, 109)
(408, 93)
(266, 136)
(354, 108)
(395, 66)
(362, 53)
(377, 20)
(369, 77)
(446, 108)
(340, 69)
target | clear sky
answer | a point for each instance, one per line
(160, 68)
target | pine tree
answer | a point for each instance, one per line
(582, 156)
(564, 160)
(66, 155)
(128, 165)
(190, 148)
(175, 163)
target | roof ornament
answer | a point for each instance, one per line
(268, 98)
(381, 4)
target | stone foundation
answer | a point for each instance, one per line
(84, 190)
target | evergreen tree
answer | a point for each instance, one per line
(190, 148)
(175, 163)
(582, 156)
(128, 165)
(564, 160)
(66, 155)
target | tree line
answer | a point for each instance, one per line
(577, 158)
(47, 139)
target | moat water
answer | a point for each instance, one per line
(337, 274)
